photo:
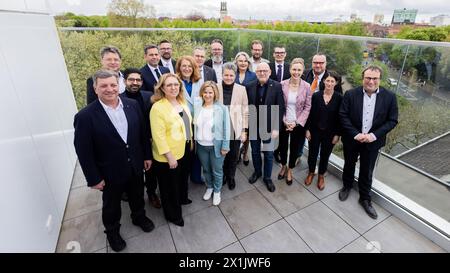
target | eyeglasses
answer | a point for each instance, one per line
(280, 53)
(134, 80)
(318, 62)
(371, 79)
(262, 71)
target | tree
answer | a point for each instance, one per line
(127, 12)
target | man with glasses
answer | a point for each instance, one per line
(165, 48)
(280, 68)
(217, 58)
(266, 96)
(206, 72)
(367, 114)
(133, 83)
(257, 48)
(318, 71)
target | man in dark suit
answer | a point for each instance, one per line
(367, 114)
(133, 83)
(280, 68)
(111, 59)
(113, 150)
(165, 47)
(217, 58)
(206, 72)
(267, 98)
(151, 72)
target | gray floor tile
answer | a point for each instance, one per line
(233, 248)
(278, 237)
(196, 192)
(321, 229)
(392, 235)
(82, 200)
(242, 185)
(78, 179)
(203, 231)
(332, 184)
(353, 213)
(158, 240)
(248, 213)
(86, 230)
(360, 245)
(288, 199)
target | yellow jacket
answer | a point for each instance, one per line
(168, 132)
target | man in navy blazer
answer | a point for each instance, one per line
(279, 68)
(152, 70)
(367, 114)
(264, 94)
(113, 150)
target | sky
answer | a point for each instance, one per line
(327, 10)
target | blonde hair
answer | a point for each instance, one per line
(195, 70)
(214, 87)
(159, 93)
(298, 61)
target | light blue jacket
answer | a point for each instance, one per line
(194, 98)
(221, 127)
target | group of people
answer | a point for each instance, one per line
(190, 119)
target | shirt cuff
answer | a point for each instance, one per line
(373, 136)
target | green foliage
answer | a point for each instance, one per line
(438, 34)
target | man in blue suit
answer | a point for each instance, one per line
(152, 71)
(367, 114)
(113, 150)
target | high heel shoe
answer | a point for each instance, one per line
(282, 176)
(289, 181)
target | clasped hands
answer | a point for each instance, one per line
(364, 138)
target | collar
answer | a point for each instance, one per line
(106, 107)
(376, 92)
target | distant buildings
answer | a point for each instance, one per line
(378, 19)
(404, 16)
(224, 18)
(440, 20)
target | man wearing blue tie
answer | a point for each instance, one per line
(152, 71)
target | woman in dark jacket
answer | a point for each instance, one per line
(323, 128)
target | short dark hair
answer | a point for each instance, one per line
(131, 70)
(217, 41)
(164, 41)
(150, 46)
(257, 42)
(110, 49)
(372, 67)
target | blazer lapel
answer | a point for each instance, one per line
(378, 104)
(360, 106)
(106, 121)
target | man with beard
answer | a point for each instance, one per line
(257, 51)
(206, 72)
(217, 58)
(165, 48)
(133, 83)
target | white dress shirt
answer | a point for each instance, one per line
(118, 119)
(368, 112)
(168, 64)
(218, 70)
(254, 64)
(121, 83)
(152, 69)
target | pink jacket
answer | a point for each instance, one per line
(303, 105)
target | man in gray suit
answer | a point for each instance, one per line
(206, 72)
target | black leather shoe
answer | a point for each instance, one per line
(179, 222)
(145, 224)
(343, 193)
(269, 184)
(367, 205)
(124, 197)
(231, 184)
(115, 241)
(186, 202)
(254, 178)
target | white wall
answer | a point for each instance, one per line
(37, 157)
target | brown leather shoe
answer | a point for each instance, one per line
(154, 201)
(309, 179)
(321, 182)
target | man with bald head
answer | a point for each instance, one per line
(266, 96)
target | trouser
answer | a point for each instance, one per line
(296, 136)
(212, 167)
(367, 160)
(231, 159)
(319, 141)
(112, 193)
(268, 157)
(150, 182)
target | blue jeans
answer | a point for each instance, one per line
(212, 167)
(268, 157)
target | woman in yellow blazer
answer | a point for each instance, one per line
(171, 123)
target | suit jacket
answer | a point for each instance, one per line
(209, 74)
(174, 63)
(303, 101)
(274, 97)
(385, 116)
(210, 62)
(331, 115)
(148, 80)
(286, 72)
(308, 76)
(238, 108)
(145, 95)
(249, 77)
(102, 153)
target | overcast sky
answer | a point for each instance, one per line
(326, 10)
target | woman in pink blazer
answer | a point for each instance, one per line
(297, 96)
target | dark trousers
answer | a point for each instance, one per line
(172, 188)
(268, 157)
(185, 165)
(367, 160)
(231, 159)
(195, 169)
(319, 141)
(112, 193)
(150, 182)
(296, 136)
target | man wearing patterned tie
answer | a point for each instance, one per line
(151, 72)
(165, 47)
(280, 68)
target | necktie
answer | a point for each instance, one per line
(314, 83)
(279, 73)
(157, 73)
